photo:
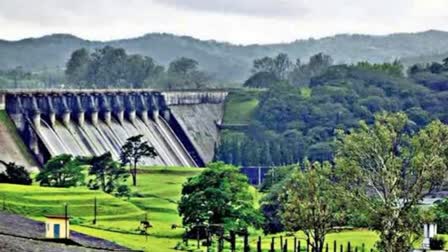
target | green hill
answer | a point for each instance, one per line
(118, 220)
(225, 61)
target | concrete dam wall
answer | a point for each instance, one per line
(180, 125)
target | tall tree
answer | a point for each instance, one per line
(133, 151)
(76, 67)
(220, 195)
(108, 174)
(311, 202)
(107, 67)
(183, 66)
(388, 171)
(279, 66)
(61, 171)
(138, 69)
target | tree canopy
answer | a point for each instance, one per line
(108, 175)
(312, 202)
(220, 195)
(14, 174)
(132, 153)
(61, 171)
(297, 118)
(387, 170)
(113, 67)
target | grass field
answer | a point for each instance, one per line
(118, 219)
(240, 106)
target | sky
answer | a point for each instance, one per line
(235, 21)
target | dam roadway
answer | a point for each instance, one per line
(181, 125)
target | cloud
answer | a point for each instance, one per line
(237, 21)
(258, 8)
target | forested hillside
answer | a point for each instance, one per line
(224, 61)
(300, 107)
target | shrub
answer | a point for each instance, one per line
(15, 174)
(437, 242)
(123, 191)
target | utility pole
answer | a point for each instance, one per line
(66, 220)
(146, 231)
(94, 211)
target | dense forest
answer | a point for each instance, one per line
(225, 62)
(301, 106)
(111, 67)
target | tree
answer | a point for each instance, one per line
(14, 174)
(184, 73)
(138, 69)
(76, 67)
(107, 67)
(278, 66)
(132, 153)
(183, 66)
(219, 195)
(261, 80)
(441, 216)
(436, 68)
(388, 171)
(282, 66)
(108, 174)
(311, 202)
(61, 171)
(445, 62)
(273, 186)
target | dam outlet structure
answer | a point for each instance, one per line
(180, 125)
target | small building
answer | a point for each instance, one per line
(57, 227)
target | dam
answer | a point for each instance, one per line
(180, 125)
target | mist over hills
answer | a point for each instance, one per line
(225, 61)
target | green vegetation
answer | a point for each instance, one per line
(118, 220)
(61, 171)
(298, 116)
(387, 171)
(113, 67)
(229, 63)
(220, 196)
(240, 106)
(311, 202)
(14, 174)
(132, 153)
(107, 175)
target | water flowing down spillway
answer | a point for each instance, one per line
(89, 140)
(93, 124)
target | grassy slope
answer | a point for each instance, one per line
(240, 106)
(157, 191)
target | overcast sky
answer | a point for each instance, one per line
(236, 21)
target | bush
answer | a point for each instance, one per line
(15, 174)
(437, 243)
(123, 191)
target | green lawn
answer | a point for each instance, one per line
(157, 192)
(156, 195)
(240, 106)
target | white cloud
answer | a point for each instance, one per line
(242, 21)
(259, 8)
